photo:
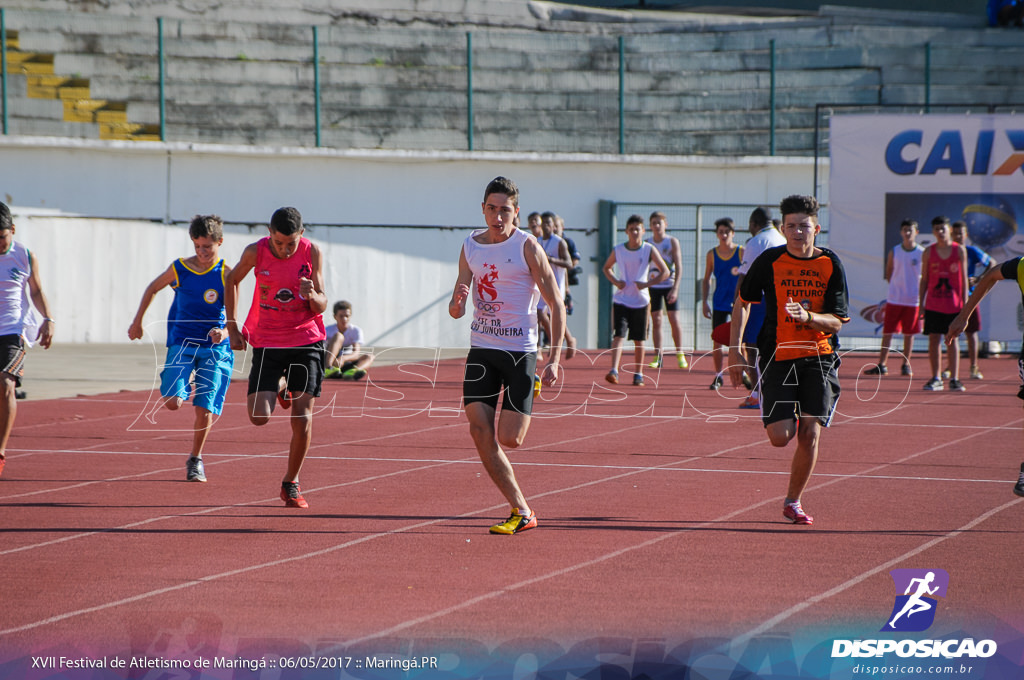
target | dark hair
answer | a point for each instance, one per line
(340, 305)
(791, 205)
(725, 222)
(761, 217)
(503, 185)
(657, 214)
(908, 223)
(941, 219)
(286, 221)
(959, 224)
(5, 217)
(532, 215)
(635, 219)
(210, 226)
(548, 215)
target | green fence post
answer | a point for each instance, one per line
(771, 100)
(163, 70)
(622, 95)
(316, 83)
(3, 63)
(927, 77)
(605, 243)
(469, 89)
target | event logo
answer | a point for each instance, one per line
(914, 610)
(948, 152)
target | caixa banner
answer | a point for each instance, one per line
(886, 169)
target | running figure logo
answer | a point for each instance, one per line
(914, 610)
(485, 289)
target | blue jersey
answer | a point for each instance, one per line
(726, 275)
(976, 256)
(198, 305)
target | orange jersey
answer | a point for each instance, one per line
(818, 283)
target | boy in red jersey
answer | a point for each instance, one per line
(286, 331)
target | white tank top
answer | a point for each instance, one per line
(504, 295)
(551, 246)
(14, 272)
(634, 266)
(665, 250)
(904, 285)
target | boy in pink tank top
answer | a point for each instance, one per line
(286, 331)
(942, 293)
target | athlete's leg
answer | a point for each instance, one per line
(805, 456)
(260, 406)
(513, 427)
(677, 329)
(302, 434)
(8, 410)
(656, 332)
(883, 353)
(203, 423)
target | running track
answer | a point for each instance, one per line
(660, 526)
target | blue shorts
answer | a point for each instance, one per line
(212, 367)
(755, 319)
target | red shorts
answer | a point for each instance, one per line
(901, 319)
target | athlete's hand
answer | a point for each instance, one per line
(550, 375)
(217, 335)
(707, 311)
(237, 341)
(797, 311)
(135, 331)
(457, 306)
(619, 284)
(672, 296)
(736, 366)
(45, 336)
(305, 288)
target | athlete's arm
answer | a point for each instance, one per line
(457, 305)
(888, 266)
(964, 287)
(312, 290)
(677, 261)
(922, 288)
(663, 273)
(218, 334)
(545, 280)
(35, 291)
(563, 259)
(609, 272)
(238, 273)
(155, 286)
(959, 323)
(705, 286)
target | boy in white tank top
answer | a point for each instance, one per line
(903, 272)
(20, 283)
(503, 271)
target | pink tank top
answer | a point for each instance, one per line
(279, 317)
(945, 290)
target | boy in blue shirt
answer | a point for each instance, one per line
(197, 340)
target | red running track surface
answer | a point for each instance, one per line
(659, 510)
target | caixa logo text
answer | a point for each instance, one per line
(953, 151)
(949, 649)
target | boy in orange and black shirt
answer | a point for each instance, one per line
(806, 303)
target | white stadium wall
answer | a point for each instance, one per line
(105, 218)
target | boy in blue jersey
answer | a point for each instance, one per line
(197, 340)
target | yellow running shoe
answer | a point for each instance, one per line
(681, 360)
(515, 523)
